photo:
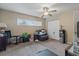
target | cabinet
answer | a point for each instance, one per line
(62, 36)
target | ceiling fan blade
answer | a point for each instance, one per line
(50, 14)
(53, 11)
(42, 16)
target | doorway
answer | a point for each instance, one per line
(53, 29)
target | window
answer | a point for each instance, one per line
(28, 22)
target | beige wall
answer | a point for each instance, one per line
(10, 19)
(66, 20)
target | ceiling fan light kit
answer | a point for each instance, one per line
(47, 12)
(45, 9)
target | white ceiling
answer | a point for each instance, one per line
(36, 8)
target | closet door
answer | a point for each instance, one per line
(53, 29)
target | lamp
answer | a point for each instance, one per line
(3, 25)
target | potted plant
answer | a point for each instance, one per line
(25, 36)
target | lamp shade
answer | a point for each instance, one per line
(3, 25)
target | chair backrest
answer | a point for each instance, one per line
(8, 34)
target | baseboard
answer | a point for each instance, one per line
(69, 43)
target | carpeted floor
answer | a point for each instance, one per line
(30, 49)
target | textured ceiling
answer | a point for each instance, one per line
(35, 9)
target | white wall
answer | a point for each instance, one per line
(76, 19)
(76, 39)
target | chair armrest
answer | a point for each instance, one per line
(66, 49)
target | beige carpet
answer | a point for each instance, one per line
(29, 49)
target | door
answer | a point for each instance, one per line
(53, 29)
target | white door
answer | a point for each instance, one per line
(53, 29)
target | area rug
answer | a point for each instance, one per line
(45, 52)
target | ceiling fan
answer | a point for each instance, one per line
(47, 12)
